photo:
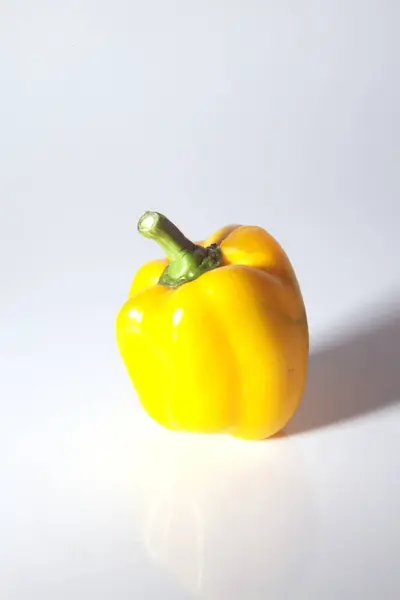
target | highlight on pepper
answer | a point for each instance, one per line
(214, 336)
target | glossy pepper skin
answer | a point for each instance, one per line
(215, 337)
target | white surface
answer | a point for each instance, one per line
(282, 114)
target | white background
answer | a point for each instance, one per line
(283, 114)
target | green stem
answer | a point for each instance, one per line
(187, 260)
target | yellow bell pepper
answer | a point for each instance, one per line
(215, 337)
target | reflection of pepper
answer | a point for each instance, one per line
(215, 337)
